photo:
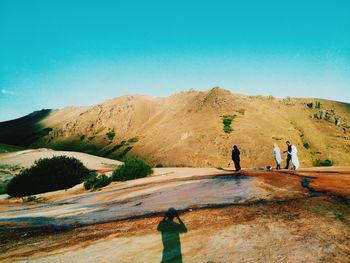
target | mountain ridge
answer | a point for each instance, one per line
(186, 129)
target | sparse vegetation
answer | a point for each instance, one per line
(241, 111)
(124, 152)
(32, 198)
(114, 148)
(82, 137)
(124, 147)
(326, 162)
(306, 145)
(133, 140)
(49, 174)
(309, 105)
(91, 137)
(132, 168)
(110, 135)
(228, 129)
(99, 130)
(12, 168)
(7, 172)
(159, 165)
(3, 187)
(227, 121)
(277, 138)
(94, 181)
(4, 148)
(44, 132)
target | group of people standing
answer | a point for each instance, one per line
(292, 156)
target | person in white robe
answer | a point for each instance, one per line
(277, 155)
(295, 160)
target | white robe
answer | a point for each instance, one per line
(277, 155)
(295, 160)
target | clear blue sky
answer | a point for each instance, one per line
(55, 53)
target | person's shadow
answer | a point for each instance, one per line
(171, 236)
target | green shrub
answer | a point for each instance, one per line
(326, 162)
(228, 129)
(3, 188)
(82, 137)
(133, 140)
(94, 181)
(227, 121)
(90, 181)
(306, 145)
(110, 135)
(59, 172)
(132, 168)
(91, 137)
(7, 172)
(159, 165)
(123, 153)
(114, 148)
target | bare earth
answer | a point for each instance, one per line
(27, 158)
(254, 216)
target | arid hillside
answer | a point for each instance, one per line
(192, 128)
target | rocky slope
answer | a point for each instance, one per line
(187, 129)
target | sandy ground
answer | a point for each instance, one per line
(27, 158)
(281, 217)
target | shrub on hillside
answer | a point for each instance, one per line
(306, 145)
(227, 121)
(94, 181)
(132, 168)
(110, 135)
(49, 174)
(326, 162)
(133, 140)
(3, 188)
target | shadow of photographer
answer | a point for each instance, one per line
(171, 236)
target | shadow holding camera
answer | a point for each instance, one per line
(171, 236)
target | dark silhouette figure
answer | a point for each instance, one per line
(289, 154)
(236, 158)
(171, 236)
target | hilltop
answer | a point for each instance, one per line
(187, 129)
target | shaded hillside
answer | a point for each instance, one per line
(197, 128)
(26, 130)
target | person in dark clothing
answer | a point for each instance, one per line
(236, 158)
(289, 154)
(171, 236)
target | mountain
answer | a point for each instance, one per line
(192, 128)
